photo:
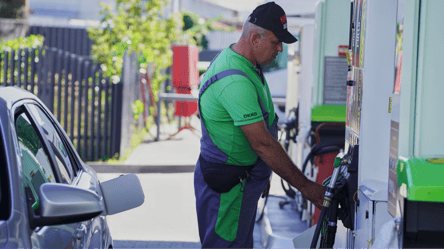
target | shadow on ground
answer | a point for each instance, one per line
(154, 244)
(148, 141)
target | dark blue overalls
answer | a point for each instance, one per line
(227, 219)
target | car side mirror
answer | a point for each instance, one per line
(63, 204)
(122, 193)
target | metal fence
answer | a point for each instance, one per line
(85, 102)
(73, 40)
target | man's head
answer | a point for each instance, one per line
(271, 16)
(263, 44)
(263, 33)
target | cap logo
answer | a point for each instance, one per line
(249, 19)
(284, 21)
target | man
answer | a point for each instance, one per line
(239, 130)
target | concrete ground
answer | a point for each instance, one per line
(167, 218)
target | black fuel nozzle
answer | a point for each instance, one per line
(342, 160)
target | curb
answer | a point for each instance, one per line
(141, 169)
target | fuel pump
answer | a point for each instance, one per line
(321, 96)
(393, 126)
(360, 191)
(415, 189)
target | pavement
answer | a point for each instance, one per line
(167, 219)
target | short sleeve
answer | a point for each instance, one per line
(240, 99)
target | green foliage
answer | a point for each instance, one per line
(195, 28)
(135, 26)
(12, 9)
(27, 135)
(136, 139)
(32, 41)
(399, 38)
(137, 108)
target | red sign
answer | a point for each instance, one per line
(342, 50)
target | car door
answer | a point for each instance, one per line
(92, 233)
(48, 156)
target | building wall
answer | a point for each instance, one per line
(219, 40)
(62, 13)
(207, 10)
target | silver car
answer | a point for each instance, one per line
(49, 198)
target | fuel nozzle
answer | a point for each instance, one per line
(342, 159)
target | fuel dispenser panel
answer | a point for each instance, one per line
(372, 213)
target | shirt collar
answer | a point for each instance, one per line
(257, 69)
(243, 58)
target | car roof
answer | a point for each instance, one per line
(11, 94)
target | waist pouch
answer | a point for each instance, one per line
(223, 177)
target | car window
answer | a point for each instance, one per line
(61, 155)
(36, 167)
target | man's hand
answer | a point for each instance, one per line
(314, 192)
(277, 159)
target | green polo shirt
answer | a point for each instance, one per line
(232, 102)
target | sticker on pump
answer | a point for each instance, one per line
(436, 160)
(342, 50)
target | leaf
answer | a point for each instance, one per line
(135, 26)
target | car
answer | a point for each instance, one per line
(49, 198)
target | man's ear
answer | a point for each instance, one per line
(254, 38)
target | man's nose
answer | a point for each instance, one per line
(280, 49)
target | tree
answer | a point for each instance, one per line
(136, 26)
(12, 9)
(195, 28)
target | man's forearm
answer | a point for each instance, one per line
(277, 159)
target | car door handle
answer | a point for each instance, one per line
(80, 232)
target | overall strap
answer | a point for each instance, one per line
(219, 76)
(209, 151)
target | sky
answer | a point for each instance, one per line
(290, 6)
(240, 5)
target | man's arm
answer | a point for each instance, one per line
(277, 159)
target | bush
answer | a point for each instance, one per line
(32, 41)
(135, 26)
(12, 9)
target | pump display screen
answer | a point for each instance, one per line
(335, 74)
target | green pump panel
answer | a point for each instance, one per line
(416, 164)
(421, 146)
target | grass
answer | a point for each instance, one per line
(136, 139)
(139, 135)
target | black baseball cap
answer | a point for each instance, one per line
(271, 16)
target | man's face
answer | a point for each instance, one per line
(268, 48)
